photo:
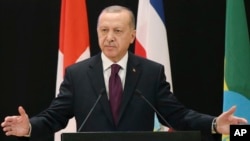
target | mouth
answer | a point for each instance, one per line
(109, 46)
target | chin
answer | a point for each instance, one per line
(110, 54)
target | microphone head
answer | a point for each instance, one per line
(102, 91)
(138, 92)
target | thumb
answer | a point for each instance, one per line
(230, 111)
(21, 111)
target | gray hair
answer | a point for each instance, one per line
(117, 9)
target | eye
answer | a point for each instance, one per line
(104, 30)
(118, 31)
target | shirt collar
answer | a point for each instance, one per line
(107, 62)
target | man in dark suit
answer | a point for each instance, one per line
(85, 81)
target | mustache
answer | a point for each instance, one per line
(110, 44)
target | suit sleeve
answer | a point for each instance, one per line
(177, 114)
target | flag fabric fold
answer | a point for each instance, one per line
(73, 44)
(151, 37)
(237, 60)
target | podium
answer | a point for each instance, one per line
(132, 136)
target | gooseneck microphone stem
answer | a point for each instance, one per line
(91, 110)
(152, 106)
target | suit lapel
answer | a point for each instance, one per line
(133, 73)
(96, 72)
(96, 78)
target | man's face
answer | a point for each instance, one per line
(115, 34)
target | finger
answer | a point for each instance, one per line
(9, 133)
(7, 129)
(21, 111)
(3, 123)
(242, 121)
(8, 120)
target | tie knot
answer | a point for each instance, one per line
(115, 69)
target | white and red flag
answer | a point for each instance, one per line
(73, 44)
(151, 37)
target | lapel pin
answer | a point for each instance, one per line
(134, 70)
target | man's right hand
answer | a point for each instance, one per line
(17, 125)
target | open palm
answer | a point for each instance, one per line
(17, 125)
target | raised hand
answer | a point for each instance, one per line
(17, 125)
(226, 119)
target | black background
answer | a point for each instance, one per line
(29, 32)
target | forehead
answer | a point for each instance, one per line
(120, 18)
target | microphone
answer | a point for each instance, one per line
(137, 92)
(91, 110)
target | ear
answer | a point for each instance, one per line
(133, 34)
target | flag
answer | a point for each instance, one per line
(237, 60)
(73, 43)
(151, 37)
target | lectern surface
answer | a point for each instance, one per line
(133, 136)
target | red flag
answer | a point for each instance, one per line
(73, 43)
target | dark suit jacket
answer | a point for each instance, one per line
(84, 82)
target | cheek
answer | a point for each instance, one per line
(125, 41)
(101, 40)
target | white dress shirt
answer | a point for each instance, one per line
(107, 69)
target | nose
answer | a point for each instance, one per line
(110, 37)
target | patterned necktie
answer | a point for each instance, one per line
(115, 91)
